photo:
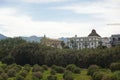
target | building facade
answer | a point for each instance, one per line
(106, 42)
(115, 40)
(93, 40)
(51, 42)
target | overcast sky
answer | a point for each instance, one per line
(59, 18)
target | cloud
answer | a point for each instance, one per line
(108, 10)
(37, 1)
(42, 1)
(17, 24)
(7, 11)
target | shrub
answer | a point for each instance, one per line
(23, 73)
(27, 67)
(52, 77)
(17, 68)
(98, 75)
(116, 75)
(35, 78)
(53, 72)
(37, 75)
(67, 75)
(1, 70)
(10, 67)
(115, 66)
(3, 66)
(11, 73)
(71, 67)
(58, 69)
(45, 67)
(37, 68)
(19, 77)
(3, 76)
(105, 70)
(106, 77)
(92, 69)
(54, 67)
(77, 70)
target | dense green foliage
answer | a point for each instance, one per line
(52, 77)
(18, 51)
(98, 75)
(35, 72)
(68, 75)
(28, 72)
(92, 69)
(52, 72)
(116, 75)
(58, 69)
(7, 45)
(73, 68)
(31, 61)
(115, 66)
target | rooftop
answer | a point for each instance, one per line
(94, 33)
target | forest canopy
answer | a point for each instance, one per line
(19, 51)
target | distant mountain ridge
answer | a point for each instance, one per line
(32, 38)
(2, 37)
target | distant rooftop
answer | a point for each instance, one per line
(93, 33)
(115, 35)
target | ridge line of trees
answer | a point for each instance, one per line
(19, 51)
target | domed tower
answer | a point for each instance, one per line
(94, 33)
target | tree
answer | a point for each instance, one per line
(8, 44)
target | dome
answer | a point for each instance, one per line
(93, 33)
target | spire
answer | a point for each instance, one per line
(94, 33)
(44, 36)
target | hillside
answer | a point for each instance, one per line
(2, 37)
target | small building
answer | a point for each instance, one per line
(115, 40)
(51, 42)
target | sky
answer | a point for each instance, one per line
(59, 18)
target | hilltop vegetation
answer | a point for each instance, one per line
(21, 60)
(19, 51)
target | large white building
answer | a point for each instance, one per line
(106, 41)
(93, 40)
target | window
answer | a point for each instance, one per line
(113, 39)
(81, 39)
(96, 38)
(77, 40)
(119, 39)
(93, 38)
(89, 39)
(79, 44)
(91, 43)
